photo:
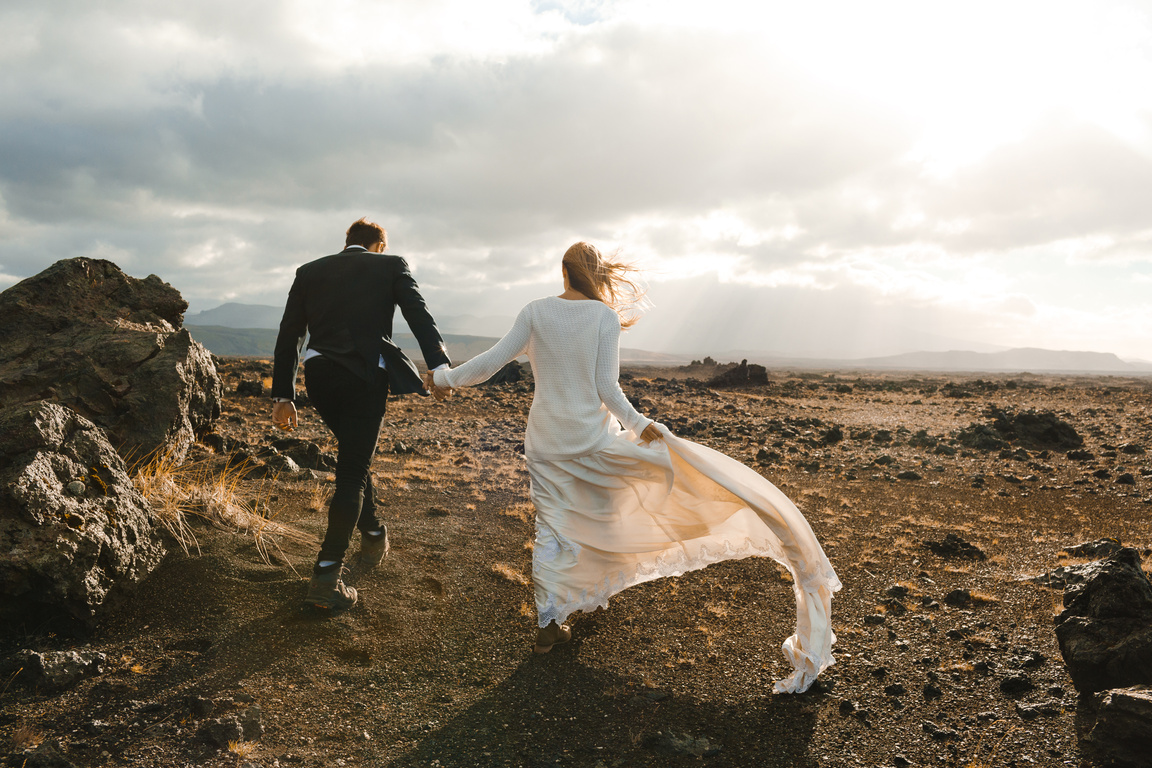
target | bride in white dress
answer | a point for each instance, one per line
(617, 507)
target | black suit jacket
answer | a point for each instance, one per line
(345, 303)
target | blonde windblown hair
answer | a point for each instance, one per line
(607, 281)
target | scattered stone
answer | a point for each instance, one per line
(1102, 474)
(59, 670)
(894, 607)
(1028, 659)
(250, 388)
(883, 460)
(981, 437)
(305, 453)
(220, 731)
(938, 733)
(1125, 479)
(1080, 455)
(1123, 729)
(1036, 429)
(958, 598)
(908, 475)
(673, 744)
(200, 706)
(1105, 629)
(741, 375)
(1101, 548)
(66, 557)
(110, 347)
(874, 619)
(509, 374)
(897, 591)
(832, 436)
(931, 691)
(954, 546)
(1016, 684)
(895, 689)
(251, 723)
(47, 755)
(1133, 449)
(1044, 708)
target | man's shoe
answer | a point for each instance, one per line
(373, 549)
(327, 592)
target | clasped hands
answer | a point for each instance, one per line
(440, 393)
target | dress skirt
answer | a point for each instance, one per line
(632, 512)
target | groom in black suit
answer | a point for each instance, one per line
(343, 305)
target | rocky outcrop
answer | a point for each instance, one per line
(110, 347)
(509, 374)
(1105, 629)
(1123, 730)
(741, 376)
(74, 531)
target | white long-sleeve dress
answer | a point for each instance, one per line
(612, 512)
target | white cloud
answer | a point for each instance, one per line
(861, 160)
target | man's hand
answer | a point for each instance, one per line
(284, 415)
(440, 393)
(651, 433)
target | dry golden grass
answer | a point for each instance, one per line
(242, 749)
(176, 492)
(525, 609)
(510, 574)
(27, 737)
(523, 511)
(982, 598)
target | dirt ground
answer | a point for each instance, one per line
(434, 666)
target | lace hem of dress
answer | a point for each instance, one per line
(558, 609)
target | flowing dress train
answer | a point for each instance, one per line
(612, 512)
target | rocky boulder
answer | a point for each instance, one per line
(1105, 629)
(74, 531)
(1123, 730)
(110, 347)
(741, 376)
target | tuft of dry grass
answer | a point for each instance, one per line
(241, 749)
(177, 492)
(523, 511)
(27, 737)
(511, 574)
(982, 598)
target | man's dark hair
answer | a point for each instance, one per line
(365, 233)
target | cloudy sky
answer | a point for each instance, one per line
(818, 178)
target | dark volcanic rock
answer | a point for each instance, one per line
(509, 374)
(1100, 548)
(981, 437)
(1036, 429)
(954, 546)
(110, 347)
(742, 375)
(59, 670)
(1105, 629)
(1123, 729)
(74, 529)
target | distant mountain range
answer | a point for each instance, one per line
(263, 316)
(261, 342)
(249, 330)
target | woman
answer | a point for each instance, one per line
(616, 508)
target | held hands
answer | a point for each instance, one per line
(440, 393)
(284, 415)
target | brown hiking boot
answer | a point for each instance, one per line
(327, 592)
(373, 549)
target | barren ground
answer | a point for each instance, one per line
(434, 667)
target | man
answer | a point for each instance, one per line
(343, 304)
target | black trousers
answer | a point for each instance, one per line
(354, 410)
